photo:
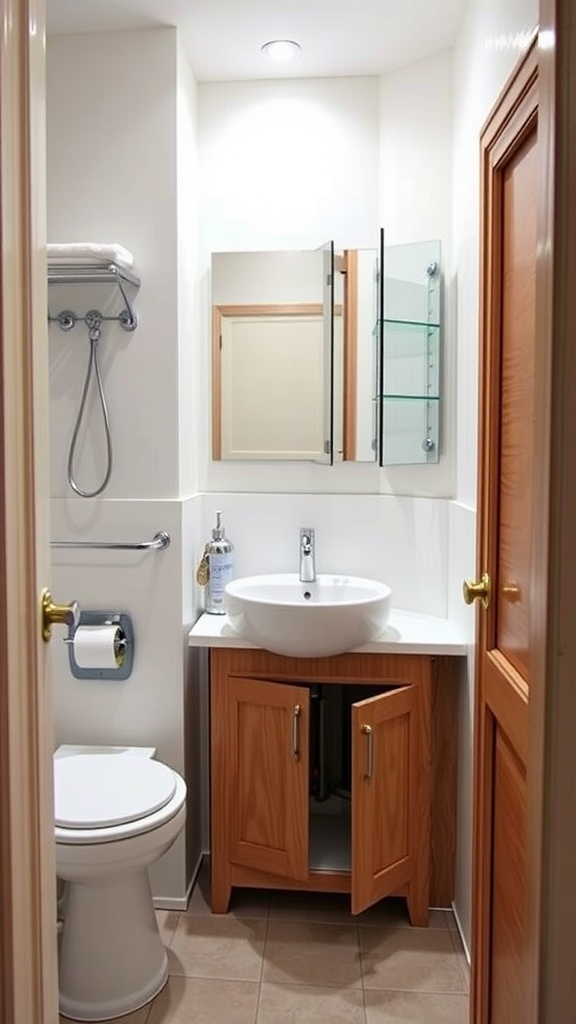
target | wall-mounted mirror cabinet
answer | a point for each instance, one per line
(317, 356)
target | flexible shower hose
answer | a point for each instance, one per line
(93, 323)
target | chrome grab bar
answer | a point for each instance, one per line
(159, 541)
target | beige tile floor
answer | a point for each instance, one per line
(302, 958)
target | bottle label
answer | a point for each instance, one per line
(221, 572)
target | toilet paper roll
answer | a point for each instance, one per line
(98, 647)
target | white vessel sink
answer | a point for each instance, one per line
(308, 620)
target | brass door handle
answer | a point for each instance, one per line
(479, 591)
(54, 614)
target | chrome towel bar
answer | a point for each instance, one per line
(159, 541)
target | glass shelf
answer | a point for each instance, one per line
(411, 359)
(411, 429)
(409, 398)
(408, 324)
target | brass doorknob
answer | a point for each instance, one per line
(479, 591)
(54, 614)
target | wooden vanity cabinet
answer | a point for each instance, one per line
(260, 776)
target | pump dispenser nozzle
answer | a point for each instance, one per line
(218, 533)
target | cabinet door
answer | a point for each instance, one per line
(268, 737)
(385, 760)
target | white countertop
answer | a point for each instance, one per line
(406, 633)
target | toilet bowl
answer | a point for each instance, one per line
(117, 810)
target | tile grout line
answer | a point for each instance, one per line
(262, 964)
(361, 971)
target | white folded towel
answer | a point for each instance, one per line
(89, 252)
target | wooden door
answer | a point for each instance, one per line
(267, 725)
(28, 962)
(509, 232)
(390, 826)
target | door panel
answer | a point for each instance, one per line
(506, 473)
(517, 403)
(267, 731)
(384, 818)
(509, 879)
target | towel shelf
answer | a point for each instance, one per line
(94, 273)
(91, 273)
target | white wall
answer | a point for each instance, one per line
(189, 347)
(121, 139)
(491, 41)
(388, 537)
(289, 164)
(416, 205)
(111, 152)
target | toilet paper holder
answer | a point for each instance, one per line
(126, 640)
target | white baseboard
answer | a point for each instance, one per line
(179, 903)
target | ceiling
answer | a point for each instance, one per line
(223, 37)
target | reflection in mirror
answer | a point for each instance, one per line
(269, 358)
(410, 383)
(294, 348)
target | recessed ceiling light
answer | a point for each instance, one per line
(281, 49)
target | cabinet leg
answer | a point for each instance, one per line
(221, 891)
(417, 907)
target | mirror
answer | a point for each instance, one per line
(316, 356)
(293, 372)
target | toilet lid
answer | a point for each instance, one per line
(99, 790)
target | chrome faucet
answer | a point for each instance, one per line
(307, 568)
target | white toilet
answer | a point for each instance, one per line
(117, 810)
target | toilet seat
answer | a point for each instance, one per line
(101, 799)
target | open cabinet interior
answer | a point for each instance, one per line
(330, 767)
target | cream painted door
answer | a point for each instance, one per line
(28, 961)
(505, 551)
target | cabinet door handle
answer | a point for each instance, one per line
(295, 732)
(367, 730)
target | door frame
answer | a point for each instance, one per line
(28, 968)
(551, 839)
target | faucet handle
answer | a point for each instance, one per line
(307, 536)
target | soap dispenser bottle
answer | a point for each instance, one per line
(219, 555)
